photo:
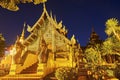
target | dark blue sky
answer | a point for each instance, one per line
(79, 16)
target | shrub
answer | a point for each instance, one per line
(65, 73)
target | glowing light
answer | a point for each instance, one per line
(13, 51)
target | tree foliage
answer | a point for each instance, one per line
(2, 45)
(111, 46)
(107, 47)
(65, 73)
(12, 4)
(93, 54)
(112, 28)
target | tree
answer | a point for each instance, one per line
(110, 48)
(93, 54)
(12, 4)
(107, 49)
(2, 45)
(113, 28)
(111, 45)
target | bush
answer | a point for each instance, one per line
(65, 73)
(117, 72)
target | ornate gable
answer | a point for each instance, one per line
(54, 33)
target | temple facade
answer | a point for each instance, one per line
(45, 49)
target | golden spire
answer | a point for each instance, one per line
(51, 14)
(23, 33)
(55, 18)
(44, 7)
(93, 29)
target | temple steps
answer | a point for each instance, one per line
(30, 60)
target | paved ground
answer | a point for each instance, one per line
(22, 77)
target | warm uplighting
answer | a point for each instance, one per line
(13, 51)
(48, 51)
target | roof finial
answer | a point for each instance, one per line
(51, 14)
(23, 33)
(93, 29)
(55, 19)
(44, 7)
(73, 40)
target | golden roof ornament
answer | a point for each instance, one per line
(51, 14)
(73, 40)
(23, 34)
(59, 25)
(29, 29)
(64, 29)
(55, 19)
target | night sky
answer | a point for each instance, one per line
(79, 16)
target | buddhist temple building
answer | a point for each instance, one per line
(45, 49)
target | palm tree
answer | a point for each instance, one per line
(111, 45)
(112, 28)
(107, 49)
